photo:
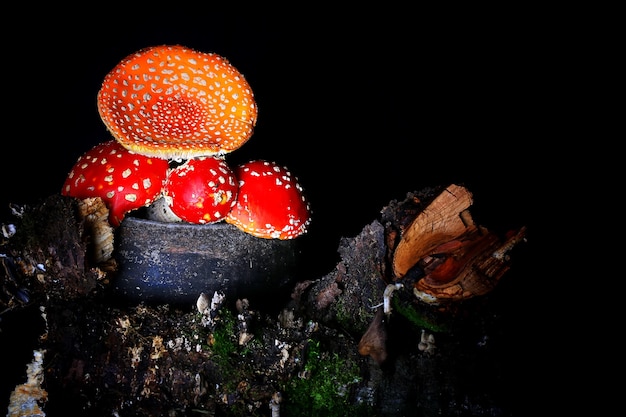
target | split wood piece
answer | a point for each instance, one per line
(458, 259)
(445, 219)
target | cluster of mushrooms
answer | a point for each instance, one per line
(174, 113)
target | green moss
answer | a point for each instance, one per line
(225, 351)
(324, 389)
(348, 318)
(420, 320)
(224, 343)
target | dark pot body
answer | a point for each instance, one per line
(176, 262)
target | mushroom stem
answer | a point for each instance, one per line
(275, 404)
(387, 294)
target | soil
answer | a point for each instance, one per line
(320, 347)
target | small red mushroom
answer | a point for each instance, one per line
(201, 190)
(173, 102)
(271, 203)
(123, 179)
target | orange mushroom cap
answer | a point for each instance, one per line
(173, 102)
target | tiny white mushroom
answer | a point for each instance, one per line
(427, 342)
(387, 294)
(202, 303)
(8, 230)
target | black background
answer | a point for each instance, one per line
(362, 106)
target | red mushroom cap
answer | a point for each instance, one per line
(173, 102)
(123, 179)
(271, 203)
(201, 190)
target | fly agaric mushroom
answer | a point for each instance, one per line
(173, 102)
(124, 180)
(271, 203)
(201, 190)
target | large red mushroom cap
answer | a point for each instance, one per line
(123, 179)
(271, 203)
(173, 102)
(201, 190)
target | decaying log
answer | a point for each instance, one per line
(396, 309)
